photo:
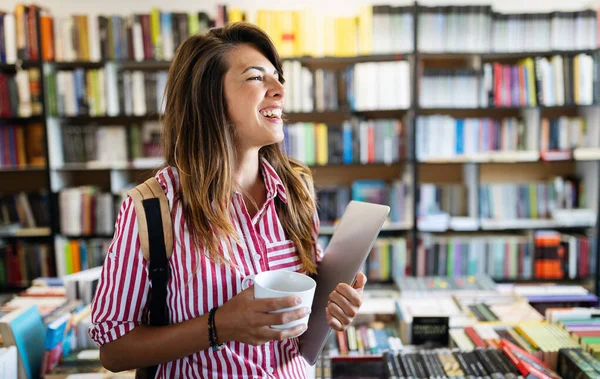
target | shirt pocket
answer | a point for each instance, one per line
(282, 255)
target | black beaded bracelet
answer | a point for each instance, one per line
(212, 330)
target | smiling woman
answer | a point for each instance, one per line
(239, 207)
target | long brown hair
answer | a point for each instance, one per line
(199, 142)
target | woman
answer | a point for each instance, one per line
(239, 206)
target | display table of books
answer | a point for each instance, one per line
(425, 327)
(471, 327)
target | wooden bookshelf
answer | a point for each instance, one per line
(119, 119)
(24, 169)
(22, 120)
(24, 64)
(491, 167)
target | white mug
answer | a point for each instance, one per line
(284, 283)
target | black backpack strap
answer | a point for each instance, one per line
(156, 239)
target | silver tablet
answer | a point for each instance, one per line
(345, 254)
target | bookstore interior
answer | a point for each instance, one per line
(487, 265)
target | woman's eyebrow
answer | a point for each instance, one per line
(259, 68)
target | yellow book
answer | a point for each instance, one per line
(287, 34)
(235, 15)
(330, 36)
(68, 259)
(531, 82)
(365, 30)
(155, 33)
(307, 33)
(384, 260)
(322, 144)
(21, 158)
(533, 204)
(84, 38)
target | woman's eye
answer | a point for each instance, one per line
(256, 78)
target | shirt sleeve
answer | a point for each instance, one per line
(123, 286)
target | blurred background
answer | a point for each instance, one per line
(477, 122)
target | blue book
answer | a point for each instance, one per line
(347, 142)
(25, 329)
(460, 136)
(2, 40)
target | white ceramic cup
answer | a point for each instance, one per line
(283, 283)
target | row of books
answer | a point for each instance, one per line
(86, 210)
(480, 29)
(441, 137)
(105, 91)
(22, 262)
(449, 88)
(19, 32)
(48, 324)
(535, 200)
(566, 133)
(75, 255)
(449, 198)
(24, 210)
(20, 94)
(107, 145)
(156, 35)
(378, 29)
(355, 141)
(333, 200)
(545, 255)
(546, 81)
(360, 87)
(22, 145)
(366, 339)
(581, 324)
(379, 86)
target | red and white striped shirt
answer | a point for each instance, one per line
(123, 286)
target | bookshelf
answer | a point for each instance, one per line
(468, 171)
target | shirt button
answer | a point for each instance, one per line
(270, 370)
(257, 257)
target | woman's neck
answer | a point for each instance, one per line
(247, 170)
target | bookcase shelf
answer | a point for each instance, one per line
(119, 119)
(25, 65)
(22, 120)
(390, 227)
(343, 115)
(20, 233)
(88, 236)
(31, 169)
(500, 56)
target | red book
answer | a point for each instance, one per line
(469, 331)
(527, 363)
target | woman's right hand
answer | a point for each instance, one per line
(246, 319)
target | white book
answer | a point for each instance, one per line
(23, 89)
(10, 38)
(67, 32)
(59, 46)
(112, 91)
(127, 94)
(94, 39)
(559, 88)
(167, 37)
(161, 85)
(296, 77)
(138, 93)
(307, 91)
(138, 41)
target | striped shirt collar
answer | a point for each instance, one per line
(273, 183)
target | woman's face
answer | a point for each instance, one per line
(254, 98)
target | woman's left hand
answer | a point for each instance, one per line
(344, 303)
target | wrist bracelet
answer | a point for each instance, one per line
(212, 331)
